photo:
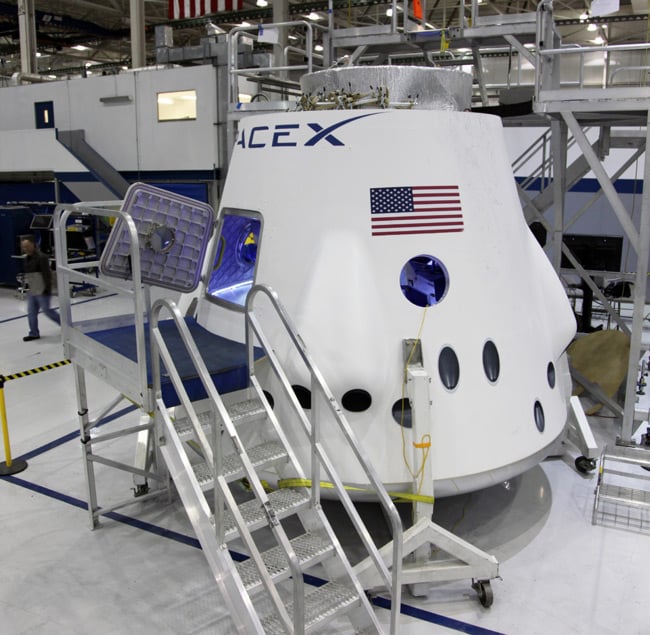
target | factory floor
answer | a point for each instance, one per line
(142, 572)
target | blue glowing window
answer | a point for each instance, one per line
(233, 271)
(424, 280)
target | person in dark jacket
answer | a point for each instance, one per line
(39, 281)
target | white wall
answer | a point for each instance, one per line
(34, 151)
(127, 134)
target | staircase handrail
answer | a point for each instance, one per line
(159, 350)
(254, 330)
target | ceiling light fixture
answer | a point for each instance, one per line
(314, 16)
(262, 3)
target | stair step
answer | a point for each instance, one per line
(283, 501)
(183, 425)
(240, 411)
(247, 410)
(321, 603)
(266, 454)
(309, 549)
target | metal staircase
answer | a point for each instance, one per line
(284, 532)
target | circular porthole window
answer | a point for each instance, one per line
(303, 395)
(356, 400)
(424, 280)
(448, 368)
(550, 375)
(491, 363)
(538, 412)
(401, 412)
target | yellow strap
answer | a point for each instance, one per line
(397, 496)
(423, 445)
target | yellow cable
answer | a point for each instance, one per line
(425, 441)
(398, 496)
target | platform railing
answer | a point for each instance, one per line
(255, 334)
(255, 34)
(589, 92)
(70, 272)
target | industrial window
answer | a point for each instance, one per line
(179, 105)
(234, 264)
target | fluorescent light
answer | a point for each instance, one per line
(592, 27)
(584, 16)
(80, 47)
(389, 12)
(244, 23)
(318, 47)
(598, 40)
(314, 16)
(262, 3)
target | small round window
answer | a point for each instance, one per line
(424, 280)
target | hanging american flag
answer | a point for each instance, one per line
(180, 9)
(423, 209)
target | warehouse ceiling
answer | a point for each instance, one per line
(72, 34)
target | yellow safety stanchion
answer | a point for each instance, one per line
(9, 466)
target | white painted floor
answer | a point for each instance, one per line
(142, 572)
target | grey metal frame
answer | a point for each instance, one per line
(87, 354)
(563, 103)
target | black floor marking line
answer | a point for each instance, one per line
(435, 618)
(22, 317)
(405, 609)
(73, 435)
(127, 520)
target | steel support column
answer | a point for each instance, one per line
(559, 137)
(27, 32)
(640, 282)
(138, 56)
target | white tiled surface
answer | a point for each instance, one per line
(560, 574)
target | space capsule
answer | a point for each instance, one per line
(395, 221)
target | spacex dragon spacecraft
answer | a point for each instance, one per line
(384, 211)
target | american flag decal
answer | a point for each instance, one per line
(422, 209)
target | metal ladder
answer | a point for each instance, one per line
(204, 478)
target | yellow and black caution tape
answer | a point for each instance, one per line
(35, 371)
(399, 497)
